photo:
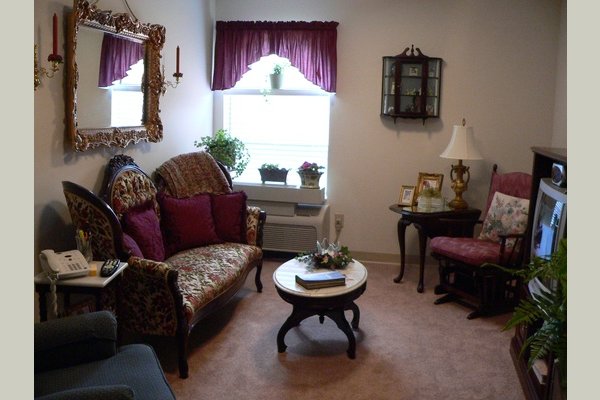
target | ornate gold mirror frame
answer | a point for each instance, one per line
(153, 37)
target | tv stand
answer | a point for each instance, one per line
(539, 382)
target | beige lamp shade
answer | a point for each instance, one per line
(461, 146)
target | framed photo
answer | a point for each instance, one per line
(428, 181)
(407, 195)
(413, 71)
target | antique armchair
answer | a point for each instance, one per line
(466, 275)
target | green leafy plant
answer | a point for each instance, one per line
(279, 67)
(326, 255)
(271, 167)
(227, 149)
(548, 307)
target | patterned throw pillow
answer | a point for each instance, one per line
(507, 215)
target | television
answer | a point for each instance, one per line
(549, 220)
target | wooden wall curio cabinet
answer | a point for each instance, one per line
(411, 83)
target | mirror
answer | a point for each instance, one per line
(89, 120)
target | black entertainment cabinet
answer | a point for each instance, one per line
(539, 383)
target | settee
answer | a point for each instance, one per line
(77, 357)
(189, 240)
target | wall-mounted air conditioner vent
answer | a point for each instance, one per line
(298, 233)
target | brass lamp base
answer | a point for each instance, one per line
(459, 185)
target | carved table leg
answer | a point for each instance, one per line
(355, 315)
(402, 224)
(422, 246)
(340, 320)
(293, 320)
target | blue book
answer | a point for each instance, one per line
(321, 279)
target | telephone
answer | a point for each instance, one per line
(66, 264)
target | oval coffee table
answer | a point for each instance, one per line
(330, 302)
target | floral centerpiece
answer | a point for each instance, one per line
(310, 173)
(330, 256)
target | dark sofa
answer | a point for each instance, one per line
(77, 358)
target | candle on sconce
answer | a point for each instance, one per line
(55, 35)
(177, 62)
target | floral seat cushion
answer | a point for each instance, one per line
(468, 250)
(206, 272)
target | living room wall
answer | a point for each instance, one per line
(499, 72)
(186, 111)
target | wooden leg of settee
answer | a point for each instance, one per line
(259, 285)
(182, 339)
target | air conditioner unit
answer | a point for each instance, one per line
(296, 233)
(296, 217)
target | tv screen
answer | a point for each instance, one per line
(550, 219)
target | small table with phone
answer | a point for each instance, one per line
(90, 283)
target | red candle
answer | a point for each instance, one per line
(177, 64)
(55, 35)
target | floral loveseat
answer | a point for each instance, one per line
(189, 240)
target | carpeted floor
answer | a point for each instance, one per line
(407, 348)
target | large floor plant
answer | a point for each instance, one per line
(548, 307)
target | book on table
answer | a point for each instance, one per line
(321, 279)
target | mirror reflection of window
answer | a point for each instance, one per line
(127, 98)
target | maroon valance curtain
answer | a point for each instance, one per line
(310, 47)
(117, 56)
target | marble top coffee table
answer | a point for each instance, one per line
(330, 302)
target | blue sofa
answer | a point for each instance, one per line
(77, 358)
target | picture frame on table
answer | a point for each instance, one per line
(407, 195)
(428, 180)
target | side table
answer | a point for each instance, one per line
(89, 284)
(429, 223)
(325, 302)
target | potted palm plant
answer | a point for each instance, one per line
(273, 173)
(546, 308)
(227, 149)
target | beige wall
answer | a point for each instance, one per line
(499, 72)
(186, 111)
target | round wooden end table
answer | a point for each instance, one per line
(330, 302)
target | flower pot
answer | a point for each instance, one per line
(310, 180)
(276, 80)
(273, 175)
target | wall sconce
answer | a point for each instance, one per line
(177, 75)
(461, 147)
(54, 58)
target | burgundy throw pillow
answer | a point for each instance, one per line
(131, 246)
(187, 223)
(229, 212)
(142, 224)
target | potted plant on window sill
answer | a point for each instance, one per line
(276, 75)
(227, 149)
(272, 173)
(310, 174)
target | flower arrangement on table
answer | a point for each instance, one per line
(330, 256)
(308, 167)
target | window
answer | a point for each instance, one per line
(285, 127)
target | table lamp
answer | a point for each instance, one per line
(460, 148)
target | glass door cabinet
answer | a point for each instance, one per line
(411, 84)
